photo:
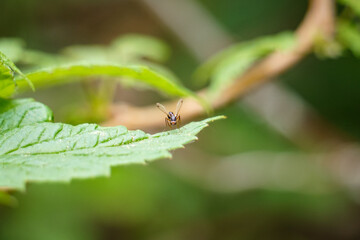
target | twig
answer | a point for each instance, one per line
(318, 19)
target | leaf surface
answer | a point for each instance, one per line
(22, 112)
(76, 71)
(44, 151)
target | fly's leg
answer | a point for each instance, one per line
(178, 120)
(167, 123)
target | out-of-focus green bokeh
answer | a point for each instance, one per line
(241, 180)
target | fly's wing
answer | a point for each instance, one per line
(178, 106)
(162, 108)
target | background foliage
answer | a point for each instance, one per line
(244, 179)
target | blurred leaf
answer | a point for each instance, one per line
(34, 149)
(353, 4)
(86, 53)
(77, 71)
(7, 82)
(160, 69)
(165, 72)
(327, 47)
(349, 36)
(12, 48)
(231, 63)
(7, 199)
(7, 76)
(124, 50)
(40, 59)
(135, 47)
(131, 49)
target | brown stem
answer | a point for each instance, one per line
(319, 19)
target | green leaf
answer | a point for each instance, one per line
(22, 112)
(48, 151)
(12, 47)
(86, 53)
(38, 59)
(78, 71)
(349, 36)
(7, 76)
(133, 47)
(327, 47)
(124, 50)
(7, 82)
(231, 63)
(353, 4)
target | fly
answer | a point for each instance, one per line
(171, 119)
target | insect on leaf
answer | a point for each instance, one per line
(35, 149)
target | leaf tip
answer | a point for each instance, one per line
(30, 83)
(212, 119)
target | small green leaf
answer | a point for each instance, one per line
(7, 82)
(38, 59)
(123, 50)
(133, 47)
(327, 47)
(7, 76)
(353, 4)
(13, 48)
(224, 67)
(349, 36)
(59, 152)
(86, 53)
(77, 71)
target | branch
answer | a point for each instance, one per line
(319, 19)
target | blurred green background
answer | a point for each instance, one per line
(243, 179)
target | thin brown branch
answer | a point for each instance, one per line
(319, 19)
